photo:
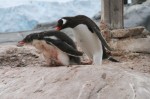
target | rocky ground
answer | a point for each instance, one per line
(24, 75)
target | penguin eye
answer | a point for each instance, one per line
(60, 22)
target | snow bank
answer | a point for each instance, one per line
(27, 15)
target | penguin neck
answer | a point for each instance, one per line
(80, 29)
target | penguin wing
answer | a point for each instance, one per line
(64, 47)
(95, 29)
(100, 36)
(65, 38)
(60, 35)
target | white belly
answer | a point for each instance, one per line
(89, 42)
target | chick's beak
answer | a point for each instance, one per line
(21, 43)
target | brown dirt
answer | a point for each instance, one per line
(19, 56)
(14, 56)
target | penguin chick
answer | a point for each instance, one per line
(57, 48)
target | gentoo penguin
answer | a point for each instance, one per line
(56, 47)
(88, 37)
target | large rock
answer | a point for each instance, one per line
(129, 32)
(130, 40)
(132, 45)
(77, 82)
(32, 80)
(137, 15)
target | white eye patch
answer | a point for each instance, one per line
(64, 21)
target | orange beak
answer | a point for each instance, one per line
(58, 28)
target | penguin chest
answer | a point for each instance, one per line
(52, 55)
(87, 40)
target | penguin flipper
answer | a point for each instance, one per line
(64, 47)
(95, 29)
(105, 54)
(100, 36)
(60, 35)
(65, 38)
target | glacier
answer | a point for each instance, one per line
(22, 16)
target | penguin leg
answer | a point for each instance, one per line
(88, 61)
(97, 58)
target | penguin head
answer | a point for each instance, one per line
(62, 23)
(71, 22)
(66, 22)
(28, 39)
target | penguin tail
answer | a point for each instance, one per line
(112, 59)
